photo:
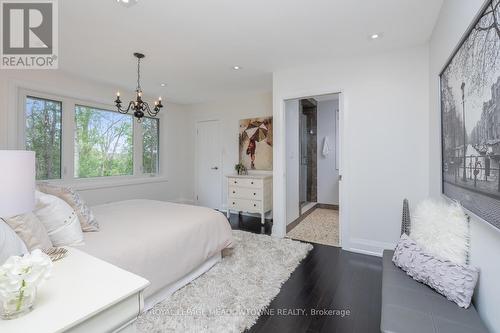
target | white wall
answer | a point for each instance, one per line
(229, 111)
(173, 127)
(455, 17)
(384, 139)
(328, 175)
(292, 160)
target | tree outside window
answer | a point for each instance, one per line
(103, 143)
(43, 135)
(150, 145)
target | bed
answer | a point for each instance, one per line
(169, 244)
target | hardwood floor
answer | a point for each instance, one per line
(327, 279)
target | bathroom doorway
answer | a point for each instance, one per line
(312, 164)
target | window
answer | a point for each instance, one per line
(150, 145)
(43, 135)
(75, 139)
(103, 143)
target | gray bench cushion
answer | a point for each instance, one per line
(411, 307)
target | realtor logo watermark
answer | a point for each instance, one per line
(29, 37)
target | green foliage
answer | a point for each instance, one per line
(103, 143)
(150, 145)
(43, 136)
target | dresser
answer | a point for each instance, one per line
(250, 194)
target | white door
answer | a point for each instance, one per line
(208, 164)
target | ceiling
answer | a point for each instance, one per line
(193, 45)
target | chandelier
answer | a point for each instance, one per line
(139, 107)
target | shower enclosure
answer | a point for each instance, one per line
(308, 154)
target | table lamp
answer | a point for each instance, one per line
(17, 182)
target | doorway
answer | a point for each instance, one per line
(312, 169)
(208, 184)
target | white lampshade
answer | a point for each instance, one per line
(17, 182)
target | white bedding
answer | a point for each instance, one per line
(160, 241)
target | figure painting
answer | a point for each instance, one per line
(256, 143)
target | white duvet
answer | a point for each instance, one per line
(160, 241)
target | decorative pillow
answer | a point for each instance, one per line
(10, 243)
(441, 229)
(59, 219)
(72, 198)
(29, 228)
(455, 281)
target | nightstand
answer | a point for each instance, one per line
(83, 294)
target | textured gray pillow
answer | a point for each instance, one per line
(455, 281)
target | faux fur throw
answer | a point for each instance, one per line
(442, 230)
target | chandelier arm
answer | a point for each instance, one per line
(153, 113)
(150, 112)
(124, 111)
(147, 108)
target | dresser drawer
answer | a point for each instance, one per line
(245, 182)
(245, 205)
(245, 193)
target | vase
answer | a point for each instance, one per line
(17, 304)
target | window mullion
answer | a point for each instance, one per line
(68, 139)
(137, 148)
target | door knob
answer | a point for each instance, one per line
(214, 168)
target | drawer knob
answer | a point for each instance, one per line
(255, 205)
(235, 182)
(234, 191)
(255, 194)
(234, 203)
(251, 183)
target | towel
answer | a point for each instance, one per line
(326, 147)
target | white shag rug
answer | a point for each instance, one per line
(230, 296)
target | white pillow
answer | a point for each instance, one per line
(10, 243)
(59, 219)
(442, 230)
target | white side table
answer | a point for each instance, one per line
(84, 294)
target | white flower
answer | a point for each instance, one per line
(24, 272)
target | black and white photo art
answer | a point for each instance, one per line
(470, 117)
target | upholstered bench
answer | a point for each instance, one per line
(412, 307)
(409, 306)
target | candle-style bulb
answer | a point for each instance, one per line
(117, 94)
(159, 98)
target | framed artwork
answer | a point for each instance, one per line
(256, 143)
(470, 118)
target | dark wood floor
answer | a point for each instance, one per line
(328, 279)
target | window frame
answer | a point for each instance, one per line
(68, 124)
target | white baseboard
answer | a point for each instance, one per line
(368, 246)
